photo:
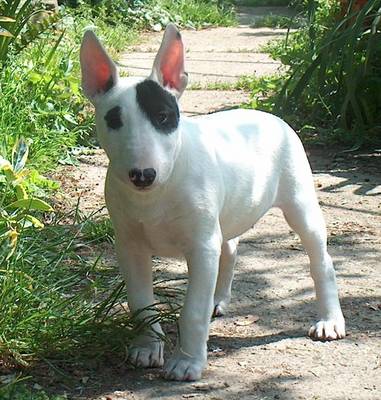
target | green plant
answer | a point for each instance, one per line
(333, 80)
(156, 15)
(16, 204)
(62, 306)
(199, 13)
(17, 29)
(98, 230)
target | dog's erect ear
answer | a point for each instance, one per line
(99, 73)
(168, 67)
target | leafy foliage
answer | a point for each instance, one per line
(17, 28)
(156, 15)
(334, 75)
(16, 204)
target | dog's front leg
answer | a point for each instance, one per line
(190, 356)
(136, 267)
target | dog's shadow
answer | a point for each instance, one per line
(281, 315)
(96, 378)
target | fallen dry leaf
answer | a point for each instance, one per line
(247, 320)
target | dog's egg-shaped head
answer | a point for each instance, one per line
(137, 119)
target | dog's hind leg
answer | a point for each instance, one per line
(304, 216)
(222, 293)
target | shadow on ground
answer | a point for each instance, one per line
(283, 316)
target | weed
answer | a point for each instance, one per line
(198, 14)
(98, 230)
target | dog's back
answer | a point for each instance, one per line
(252, 159)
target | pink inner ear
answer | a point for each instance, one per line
(104, 75)
(97, 68)
(172, 65)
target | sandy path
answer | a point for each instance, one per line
(260, 349)
(213, 56)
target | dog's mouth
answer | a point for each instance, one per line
(143, 188)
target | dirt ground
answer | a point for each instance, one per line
(260, 350)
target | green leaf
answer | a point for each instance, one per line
(4, 163)
(20, 154)
(21, 192)
(9, 173)
(34, 221)
(4, 32)
(31, 204)
(7, 19)
(70, 118)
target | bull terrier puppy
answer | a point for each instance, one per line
(188, 187)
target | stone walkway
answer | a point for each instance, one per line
(215, 58)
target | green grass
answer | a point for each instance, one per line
(59, 297)
(261, 87)
(61, 305)
(155, 15)
(213, 86)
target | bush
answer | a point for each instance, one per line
(333, 80)
(156, 15)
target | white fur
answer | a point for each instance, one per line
(217, 176)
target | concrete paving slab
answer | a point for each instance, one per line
(219, 55)
(204, 67)
(199, 102)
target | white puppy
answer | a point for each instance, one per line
(189, 187)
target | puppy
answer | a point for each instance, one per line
(184, 187)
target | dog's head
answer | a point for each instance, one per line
(137, 119)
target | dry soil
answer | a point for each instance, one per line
(260, 350)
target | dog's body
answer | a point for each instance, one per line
(189, 187)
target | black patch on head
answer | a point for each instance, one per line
(113, 118)
(109, 84)
(158, 105)
(178, 35)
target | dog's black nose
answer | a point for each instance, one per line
(142, 178)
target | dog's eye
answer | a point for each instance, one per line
(162, 117)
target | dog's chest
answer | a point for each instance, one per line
(164, 239)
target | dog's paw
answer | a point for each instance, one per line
(219, 309)
(331, 329)
(146, 355)
(182, 367)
